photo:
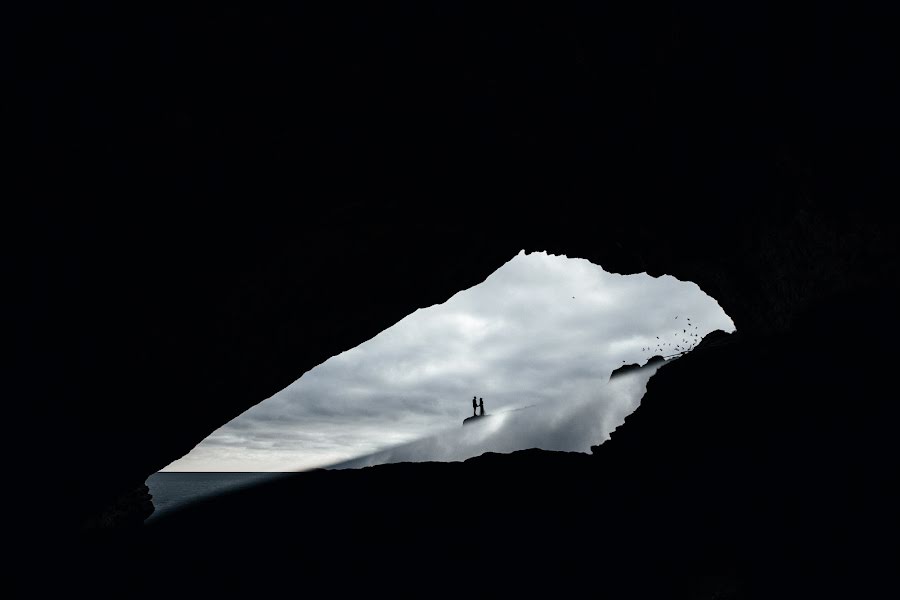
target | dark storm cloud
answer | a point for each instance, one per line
(542, 331)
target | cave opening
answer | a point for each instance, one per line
(558, 350)
(537, 341)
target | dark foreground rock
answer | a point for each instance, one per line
(733, 479)
(183, 246)
(128, 511)
(214, 200)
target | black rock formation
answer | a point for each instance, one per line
(734, 476)
(205, 203)
(653, 362)
(473, 419)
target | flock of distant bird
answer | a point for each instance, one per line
(684, 341)
(689, 340)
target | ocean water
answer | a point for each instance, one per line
(174, 490)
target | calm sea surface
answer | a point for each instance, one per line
(174, 490)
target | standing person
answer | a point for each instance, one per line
(474, 407)
(481, 405)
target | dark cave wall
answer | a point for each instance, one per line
(215, 201)
(197, 358)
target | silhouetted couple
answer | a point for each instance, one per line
(476, 405)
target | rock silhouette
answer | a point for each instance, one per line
(656, 360)
(652, 477)
(474, 419)
(215, 201)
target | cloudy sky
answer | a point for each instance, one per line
(537, 340)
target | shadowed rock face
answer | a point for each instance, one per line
(748, 471)
(215, 203)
